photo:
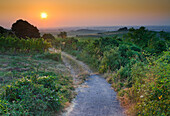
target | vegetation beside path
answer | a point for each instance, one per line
(137, 65)
(32, 81)
(35, 82)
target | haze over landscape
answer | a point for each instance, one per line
(72, 13)
(84, 57)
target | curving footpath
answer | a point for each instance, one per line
(94, 97)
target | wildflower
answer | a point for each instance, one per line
(160, 97)
(141, 96)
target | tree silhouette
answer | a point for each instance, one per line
(62, 34)
(123, 29)
(23, 29)
(48, 36)
(2, 30)
(5, 32)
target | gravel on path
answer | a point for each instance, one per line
(95, 97)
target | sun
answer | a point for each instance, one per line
(44, 15)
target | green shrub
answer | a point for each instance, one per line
(142, 80)
(135, 48)
(151, 86)
(152, 42)
(23, 45)
(117, 57)
(3, 107)
(110, 60)
(36, 96)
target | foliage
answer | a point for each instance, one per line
(150, 41)
(36, 95)
(151, 86)
(48, 36)
(138, 64)
(31, 84)
(23, 45)
(62, 35)
(24, 29)
(53, 56)
(5, 32)
(123, 29)
(165, 36)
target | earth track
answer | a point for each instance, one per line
(95, 97)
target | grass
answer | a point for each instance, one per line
(17, 66)
(78, 70)
(34, 70)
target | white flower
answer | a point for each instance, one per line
(141, 96)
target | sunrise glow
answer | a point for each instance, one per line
(85, 13)
(44, 15)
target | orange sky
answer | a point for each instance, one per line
(85, 12)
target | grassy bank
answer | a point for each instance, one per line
(136, 64)
(32, 81)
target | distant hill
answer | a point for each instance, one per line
(80, 32)
(88, 31)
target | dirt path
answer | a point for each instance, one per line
(94, 97)
(77, 68)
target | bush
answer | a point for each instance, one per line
(24, 29)
(48, 36)
(150, 41)
(118, 56)
(21, 45)
(142, 80)
(150, 87)
(111, 60)
(136, 48)
(36, 96)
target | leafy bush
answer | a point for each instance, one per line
(23, 45)
(117, 57)
(150, 87)
(24, 29)
(150, 41)
(36, 96)
(111, 60)
(140, 73)
(136, 48)
(48, 37)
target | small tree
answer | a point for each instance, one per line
(62, 34)
(48, 37)
(6, 32)
(24, 29)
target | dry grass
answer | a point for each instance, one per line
(13, 67)
(78, 70)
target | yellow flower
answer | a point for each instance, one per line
(160, 97)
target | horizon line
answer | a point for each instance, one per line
(100, 26)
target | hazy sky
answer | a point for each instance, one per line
(85, 12)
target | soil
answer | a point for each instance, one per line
(95, 97)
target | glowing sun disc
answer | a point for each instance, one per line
(44, 15)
